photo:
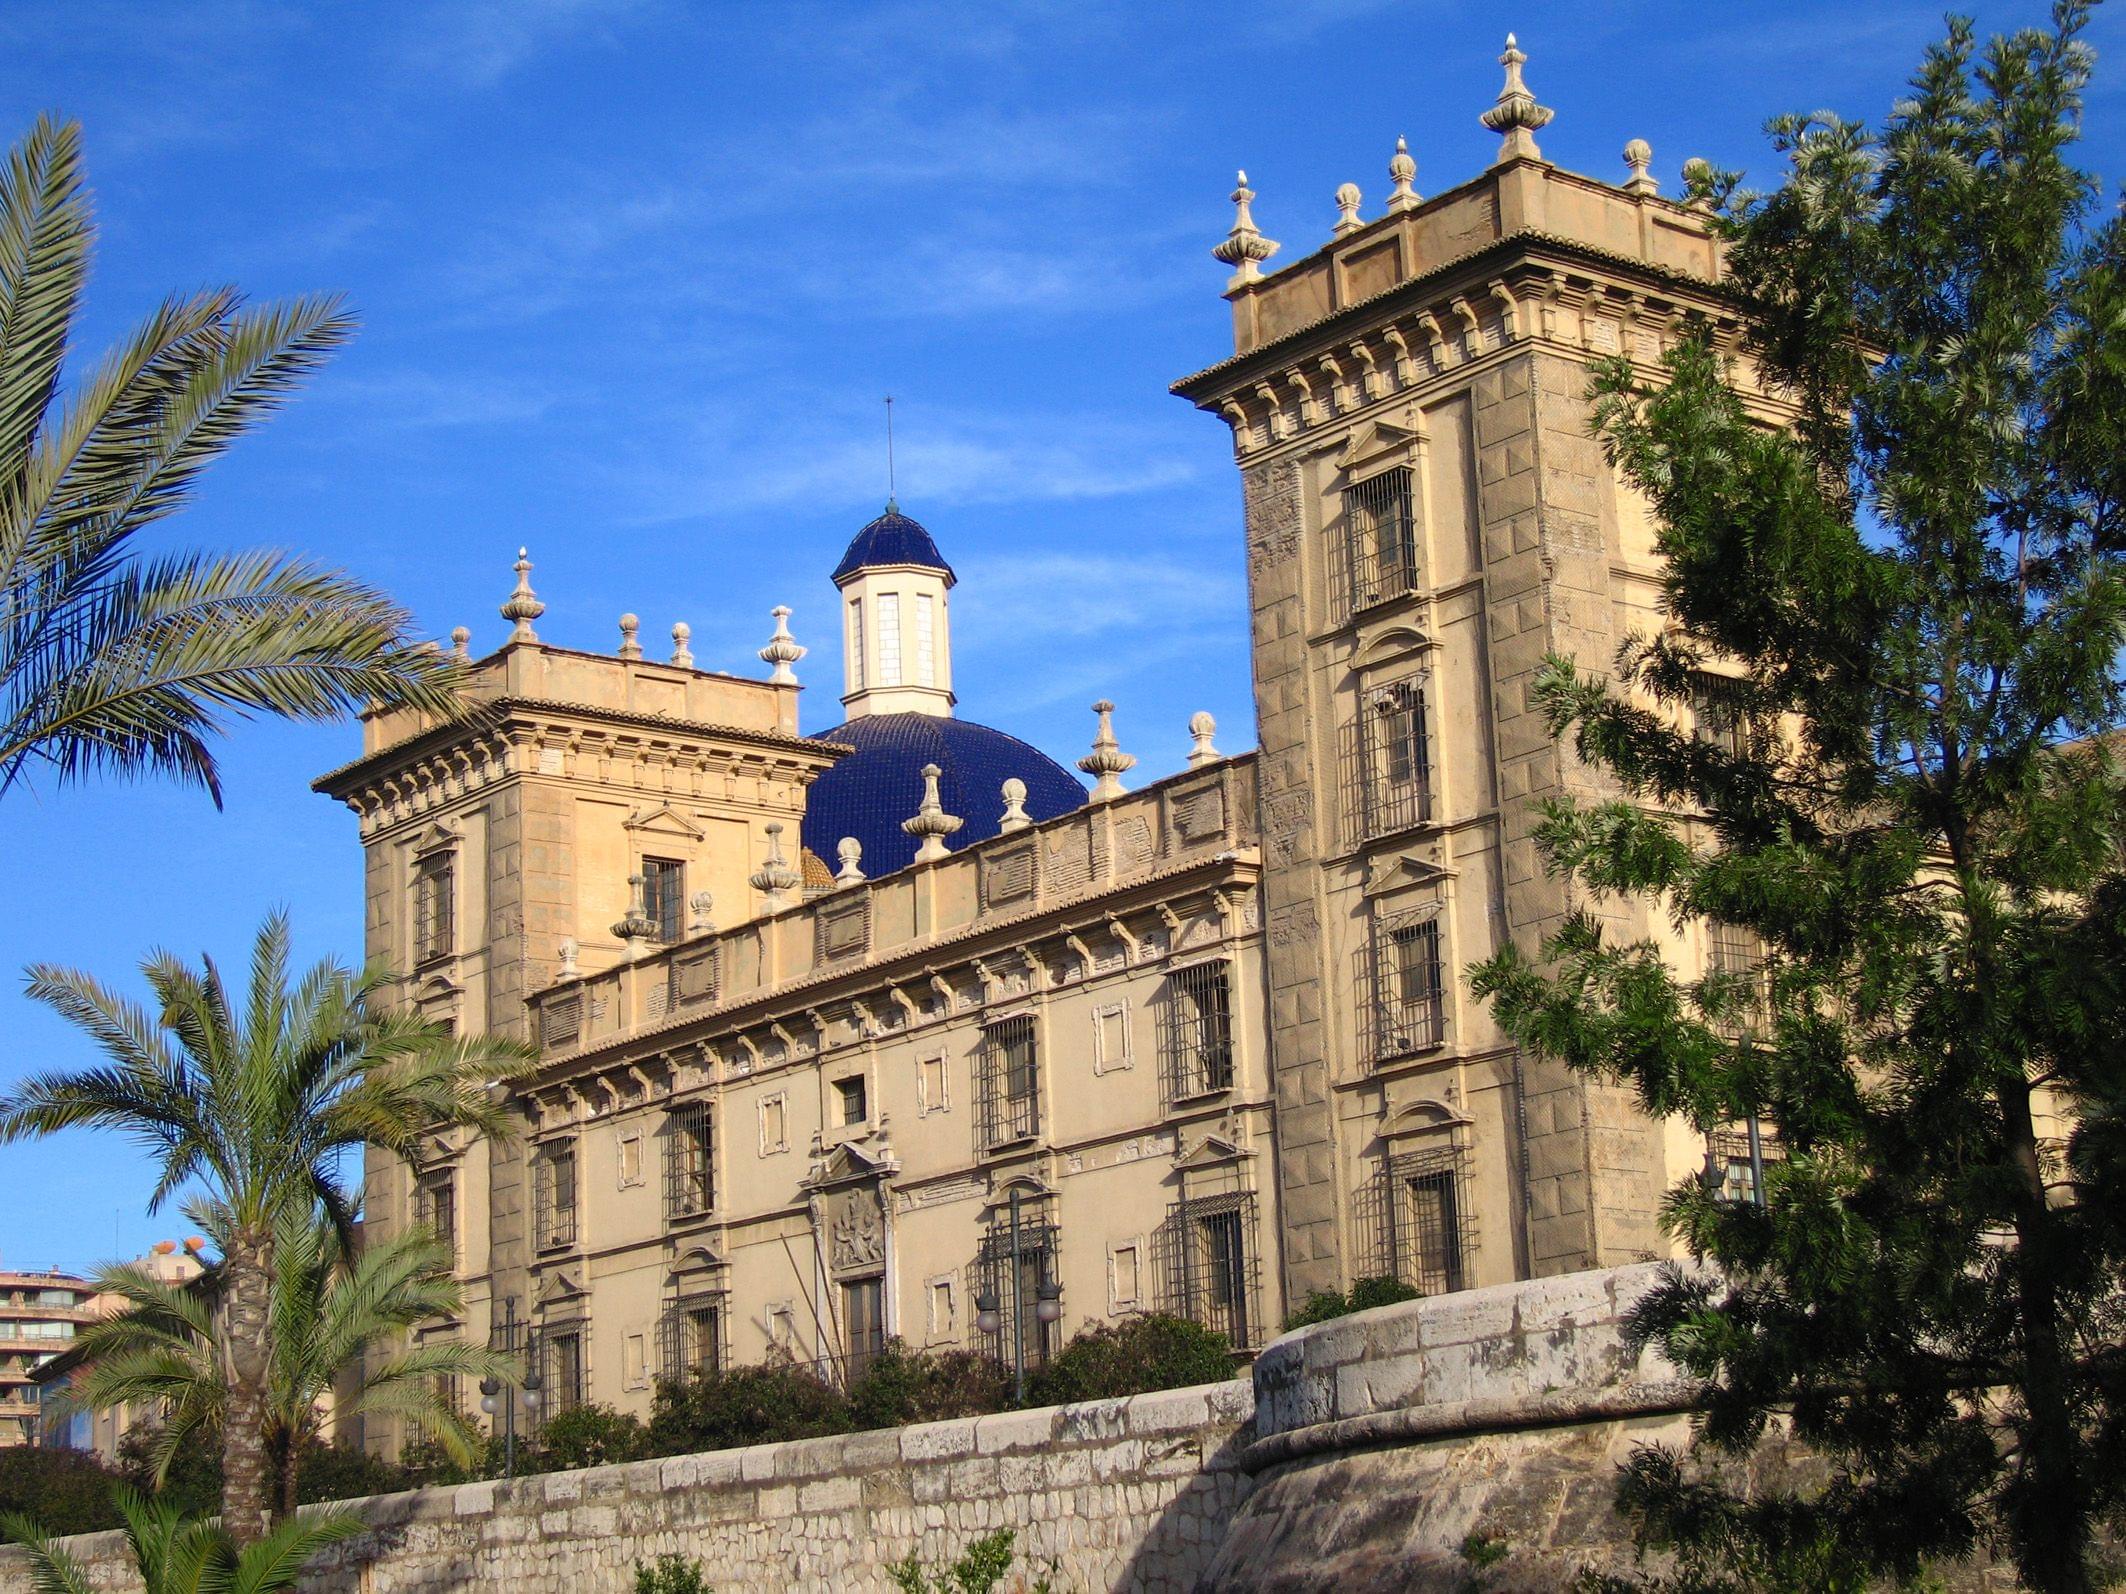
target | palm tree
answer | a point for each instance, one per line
(115, 663)
(329, 1309)
(175, 1556)
(258, 1107)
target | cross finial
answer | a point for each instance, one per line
(931, 824)
(1106, 762)
(1244, 248)
(523, 605)
(1515, 113)
(1402, 171)
(782, 650)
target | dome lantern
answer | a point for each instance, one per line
(896, 628)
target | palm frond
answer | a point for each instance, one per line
(46, 231)
(52, 1570)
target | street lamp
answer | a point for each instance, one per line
(988, 1306)
(498, 1396)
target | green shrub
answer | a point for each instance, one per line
(670, 1574)
(979, 1569)
(341, 1472)
(903, 1386)
(1146, 1352)
(587, 1436)
(722, 1409)
(1364, 1294)
(64, 1491)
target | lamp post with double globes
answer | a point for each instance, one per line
(1048, 1306)
(499, 1396)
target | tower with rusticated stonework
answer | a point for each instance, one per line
(1427, 516)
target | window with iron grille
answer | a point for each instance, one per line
(1386, 754)
(554, 1195)
(1737, 954)
(992, 1273)
(1007, 1107)
(1211, 1265)
(1421, 1206)
(1376, 559)
(664, 894)
(863, 1324)
(1716, 718)
(1730, 1165)
(1405, 999)
(562, 1365)
(690, 1336)
(689, 1160)
(1197, 1026)
(434, 907)
(439, 1210)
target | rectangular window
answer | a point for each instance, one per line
(1111, 1048)
(635, 1360)
(1715, 718)
(691, 1337)
(863, 1323)
(1408, 1010)
(1124, 1278)
(1737, 954)
(926, 661)
(554, 1195)
(932, 1086)
(889, 639)
(774, 1125)
(856, 644)
(1425, 1220)
(941, 1312)
(1379, 550)
(1010, 1080)
(849, 1100)
(434, 908)
(629, 1160)
(563, 1356)
(1015, 1287)
(664, 890)
(689, 1161)
(1211, 1265)
(1386, 755)
(439, 1211)
(1199, 1032)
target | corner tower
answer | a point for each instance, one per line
(1427, 515)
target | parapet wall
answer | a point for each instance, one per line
(1362, 1454)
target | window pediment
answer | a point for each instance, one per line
(663, 820)
(1378, 443)
(437, 838)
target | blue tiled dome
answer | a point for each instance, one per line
(892, 539)
(868, 794)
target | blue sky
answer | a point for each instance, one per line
(633, 276)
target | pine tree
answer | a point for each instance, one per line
(1873, 751)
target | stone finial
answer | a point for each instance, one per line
(523, 605)
(569, 948)
(1639, 155)
(1402, 171)
(682, 634)
(1244, 248)
(1106, 762)
(1015, 815)
(630, 636)
(1347, 198)
(851, 853)
(1202, 728)
(1515, 113)
(1697, 183)
(461, 641)
(634, 927)
(699, 908)
(775, 879)
(931, 824)
(782, 650)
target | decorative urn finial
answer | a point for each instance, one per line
(630, 636)
(1015, 815)
(1698, 183)
(1202, 728)
(1244, 248)
(1106, 762)
(461, 641)
(699, 908)
(523, 605)
(1402, 171)
(851, 853)
(568, 949)
(682, 634)
(782, 650)
(1639, 155)
(774, 879)
(1347, 198)
(1515, 113)
(931, 824)
(634, 927)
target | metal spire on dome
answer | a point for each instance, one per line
(893, 506)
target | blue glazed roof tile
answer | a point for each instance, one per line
(892, 539)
